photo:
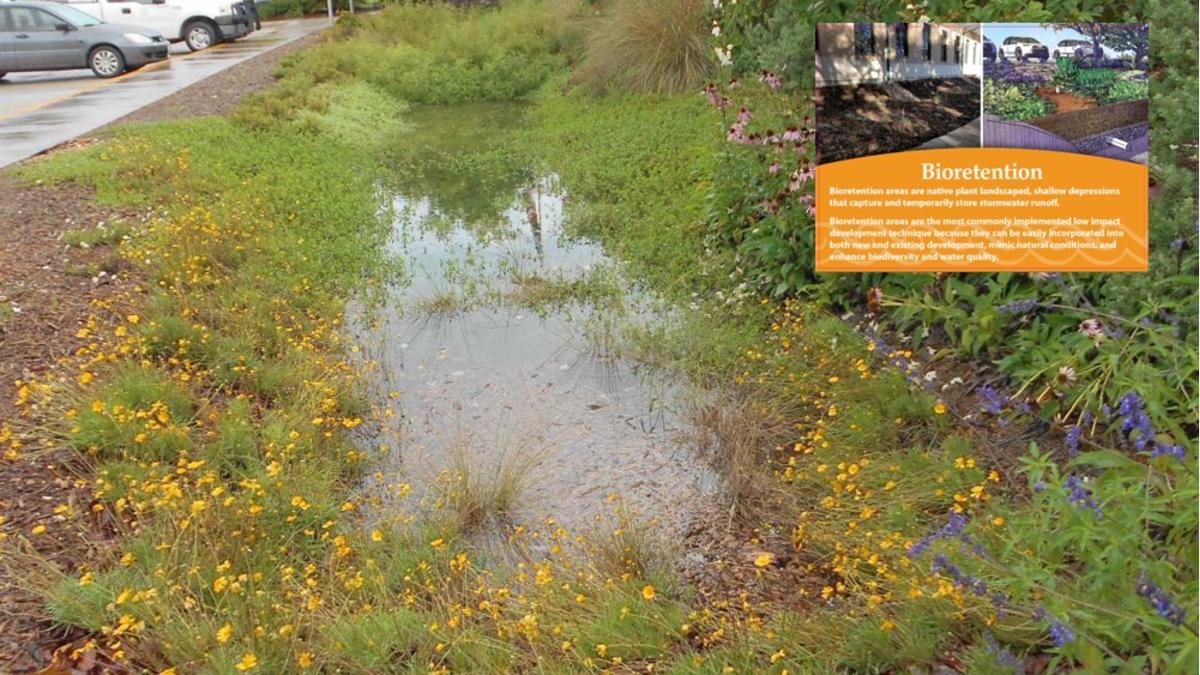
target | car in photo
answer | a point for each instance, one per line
(199, 24)
(52, 36)
(989, 50)
(1019, 48)
(1073, 48)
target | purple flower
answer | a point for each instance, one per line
(954, 527)
(1060, 634)
(1003, 656)
(1024, 306)
(1074, 436)
(1160, 600)
(976, 586)
(993, 401)
(1079, 495)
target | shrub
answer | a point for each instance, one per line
(648, 46)
(1093, 82)
(1013, 101)
(1127, 90)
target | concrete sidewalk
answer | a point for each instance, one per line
(966, 136)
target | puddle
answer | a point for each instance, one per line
(489, 384)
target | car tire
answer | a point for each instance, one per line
(1017, 54)
(106, 61)
(1056, 56)
(199, 35)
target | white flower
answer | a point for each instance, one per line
(725, 56)
(716, 29)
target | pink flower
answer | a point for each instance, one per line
(774, 168)
(771, 79)
(1092, 328)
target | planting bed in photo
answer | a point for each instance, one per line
(871, 119)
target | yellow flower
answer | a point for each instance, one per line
(224, 633)
(939, 408)
(39, 529)
(248, 662)
(305, 659)
(601, 649)
(998, 521)
(133, 318)
(438, 543)
(764, 559)
(85, 377)
(648, 592)
(376, 535)
(888, 625)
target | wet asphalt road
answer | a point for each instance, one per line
(39, 110)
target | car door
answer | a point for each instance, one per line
(8, 57)
(38, 42)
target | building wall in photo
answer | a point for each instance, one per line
(856, 53)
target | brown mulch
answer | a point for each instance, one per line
(221, 93)
(53, 286)
(872, 119)
(1065, 101)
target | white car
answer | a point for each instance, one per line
(1019, 49)
(1080, 49)
(199, 23)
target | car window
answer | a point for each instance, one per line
(30, 19)
(77, 17)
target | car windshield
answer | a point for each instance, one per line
(1019, 40)
(80, 19)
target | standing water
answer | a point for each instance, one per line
(501, 348)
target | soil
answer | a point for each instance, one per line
(1065, 101)
(53, 287)
(871, 119)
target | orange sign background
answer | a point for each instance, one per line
(1108, 234)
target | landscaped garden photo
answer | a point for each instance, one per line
(1089, 94)
(894, 87)
(487, 340)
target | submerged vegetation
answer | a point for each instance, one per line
(890, 509)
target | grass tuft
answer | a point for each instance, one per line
(649, 46)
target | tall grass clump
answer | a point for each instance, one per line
(648, 46)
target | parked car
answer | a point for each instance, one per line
(198, 23)
(1017, 48)
(989, 50)
(1079, 49)
(52, 36)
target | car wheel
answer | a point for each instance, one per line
(199, 35)
(1056, 57)
(106, 61)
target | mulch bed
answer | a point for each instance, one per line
(52, 286)
(872, 119)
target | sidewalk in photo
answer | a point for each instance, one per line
(966, 136)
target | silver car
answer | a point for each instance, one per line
(53, 36)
